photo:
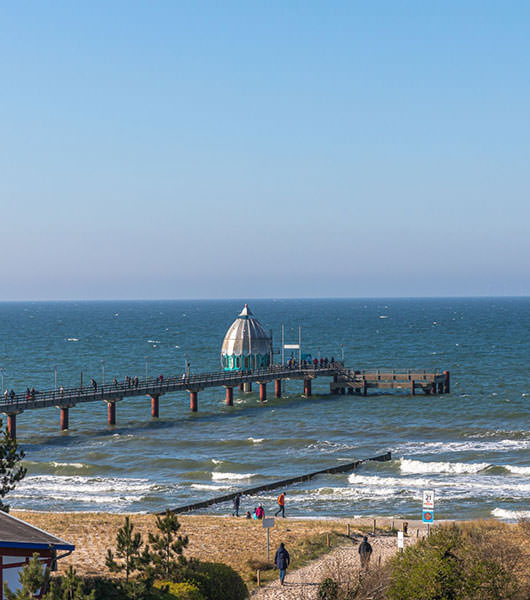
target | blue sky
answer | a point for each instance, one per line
(264, 149)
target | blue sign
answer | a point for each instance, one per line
(428, 516)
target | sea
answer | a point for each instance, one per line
(472, 446)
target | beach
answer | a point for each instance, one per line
(238, 542)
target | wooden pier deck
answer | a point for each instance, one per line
(344, 379)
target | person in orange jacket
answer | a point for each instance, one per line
(281, 505)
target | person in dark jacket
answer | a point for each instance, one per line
(282, 560)
(365, 552)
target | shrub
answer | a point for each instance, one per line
(328, 589)
(472, 562)
(216, 581)
(179, 591)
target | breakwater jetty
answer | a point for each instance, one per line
(343, 380)
(283, 483)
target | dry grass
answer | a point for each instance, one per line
(240, 543)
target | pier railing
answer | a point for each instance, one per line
(157, 386)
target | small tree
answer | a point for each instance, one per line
(128, 547)
(167, 548)
(10, 470)
(33, 578)
(69, 587)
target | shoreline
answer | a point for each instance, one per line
(236, 541)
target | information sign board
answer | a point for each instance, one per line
(268, 522)
(428, 516)
(428, 499)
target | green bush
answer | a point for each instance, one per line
(328, 589)
(179, 591)
(216, 581)
(475, 562)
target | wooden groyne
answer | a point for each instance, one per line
(279, 484)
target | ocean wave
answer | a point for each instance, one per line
(205, 486)
(231, 476)
(510, 515)
(464, 446)
(256, 440)
(67, 464)
(518, 470)
(72, 339)
(418, 466)
(59, 485)
(216, 461)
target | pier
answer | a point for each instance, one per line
(343, 380)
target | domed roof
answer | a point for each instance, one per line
(246, 336)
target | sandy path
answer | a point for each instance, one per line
(339, 564)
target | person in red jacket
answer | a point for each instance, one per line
(281, 505)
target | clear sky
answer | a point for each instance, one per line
(177, 149)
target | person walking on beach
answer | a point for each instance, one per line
(281, 505)
(236, 502)
(282, 560)
(365, 552)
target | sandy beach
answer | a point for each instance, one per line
(239, 542)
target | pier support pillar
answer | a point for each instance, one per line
(433, 387)
(440, 387)
(277, 388)
(365, 388)
(350, 391)
(412, 388)
(64, 418)
(247, 386)
(229, 396)
(155, 406)
(307, 388)
(262, 392)
(111, 412)
(241, 387)
(194, 401)
(12, 425)
(447, 383)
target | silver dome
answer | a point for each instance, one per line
(246, 336)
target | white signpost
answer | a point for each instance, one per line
(267, 524)
(401, 540)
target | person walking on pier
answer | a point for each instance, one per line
(282, 560)
(281, 505)
(236, 502)
(365, 552)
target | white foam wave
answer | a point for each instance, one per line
(231, 476)
(72, 339)
(66, 464)
(256, 440)
(518, 470)
(417, 466)
(465, 446)
(153, 341)
(206, 486)
(511, 515)
(216, 461)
